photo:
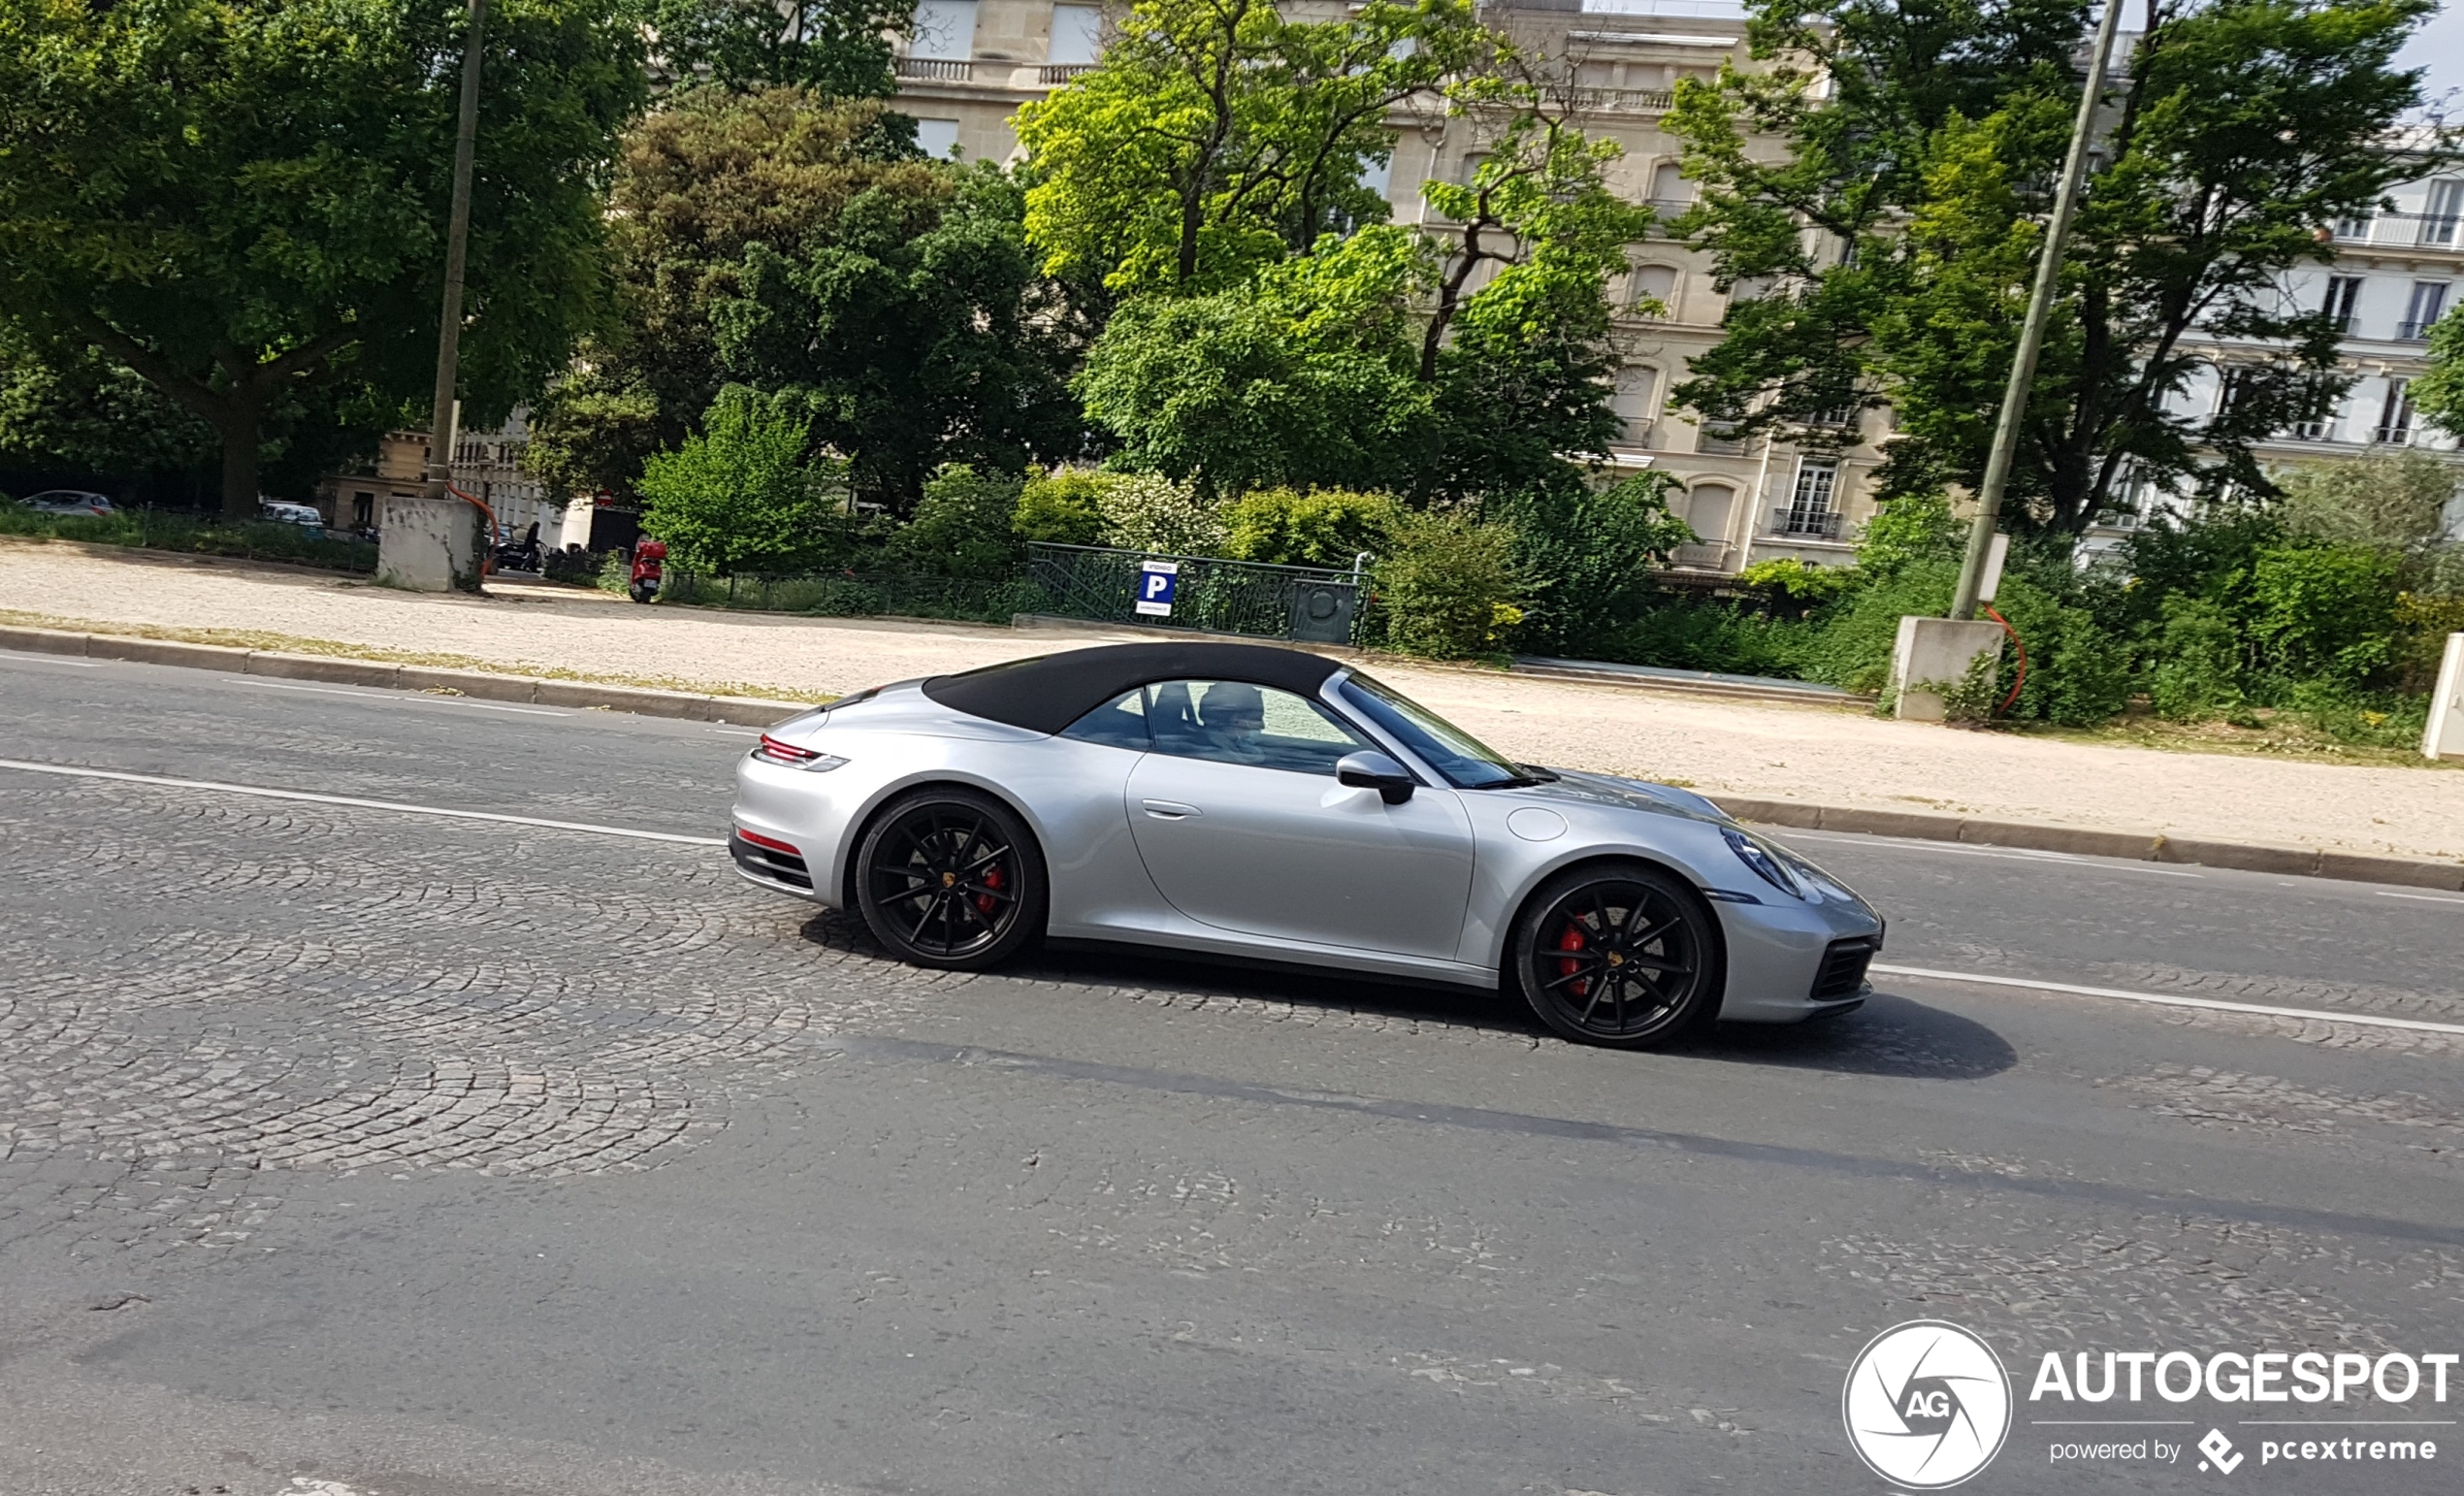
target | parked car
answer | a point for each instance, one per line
(1243, 801)
(69, 500)
(302, 516)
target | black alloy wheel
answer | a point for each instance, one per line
(948, 877)
(1621, 953)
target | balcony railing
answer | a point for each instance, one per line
(940, 70)
(1624, 100)
(2414, 332)
(2312, 431)
(2392, 436)
(1711, 556)
(1054, 74)
(2405, 231)
(1811, 524)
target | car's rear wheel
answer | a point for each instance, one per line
(951, 877)
(1620, 954)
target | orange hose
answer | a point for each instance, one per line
(2017, 643)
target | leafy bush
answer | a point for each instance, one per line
(962, 528)
(2079, 673)
(2324, 612)
(1798, 587)
(1449, 587)
(1325, 527)
(1717, 636)
(1147, 511)
(1853, 649)
(2423, 624)
(1064, 506)
(2197, 661)
(1909, 531)
(740, 497)
(210, 536)
(1587, 557)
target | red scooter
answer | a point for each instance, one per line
(649, 557)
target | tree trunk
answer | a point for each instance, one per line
(239, 425)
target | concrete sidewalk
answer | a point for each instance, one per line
(1810, 755)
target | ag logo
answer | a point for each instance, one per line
(1927, 1405)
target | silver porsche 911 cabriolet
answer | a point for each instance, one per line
(1238, 800)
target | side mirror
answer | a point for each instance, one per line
(1370, 770)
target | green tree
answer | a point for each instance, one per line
(2439, 394)
(1888, 249)
(1449, 587)
(919, 333)
(1587, 556)
(245, 202)
(2393, 501)
(741, 495)
(1219, 135)
(836, 48)
(962, 528)
(89, 413)
(1305, 376)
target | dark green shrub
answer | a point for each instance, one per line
(1449, 587)
(962, 526)
(2323, 613)
(1587, 558)
(2195, 662)
(1063, 508)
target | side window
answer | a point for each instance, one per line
(1234, 722)
(1119, 723)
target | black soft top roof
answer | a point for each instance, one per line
(1048, 693)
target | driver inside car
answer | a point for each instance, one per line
(1233, 715)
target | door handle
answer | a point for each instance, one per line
(1169, 810)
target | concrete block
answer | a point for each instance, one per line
(429, 544)
(2245, 856)
(2443, 737)
(748, 711)
(42, 641)
(339, 672)
(201, 657)
(1771, 812)
(2404, 871)
(1921, 825)
(2077, 840)
(472, 683)
(1932, 654)
(622, 698)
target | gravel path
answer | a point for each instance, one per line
(1809, 752)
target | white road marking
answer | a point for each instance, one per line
(2427, 898)
(739, 733)
(74, 771)
(2169, 1000)
(2007, 854)
(30, 658)
(407, 699)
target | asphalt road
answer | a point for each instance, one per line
(351, 1150)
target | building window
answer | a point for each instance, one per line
(363, 512)
(937, 138)
(1648, 283)
(2395, 414)
(1671, 192)
(2343, 294)
(945, 29)
(2446, 214)
(2429, 303)
(1078, 35)
(1809, 511)
(1375, 175)
(1632, 401)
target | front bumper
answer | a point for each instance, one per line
(1794, 962)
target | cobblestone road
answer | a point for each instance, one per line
(430, 1157)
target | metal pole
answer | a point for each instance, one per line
(2031, 331)
(444, 419)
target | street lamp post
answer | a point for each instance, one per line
(2031, 331)
(439, 545)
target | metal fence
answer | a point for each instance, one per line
(1222, 596)
(862, 594)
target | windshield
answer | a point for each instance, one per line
(1467, 763)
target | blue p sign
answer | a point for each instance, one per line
(1156, 582)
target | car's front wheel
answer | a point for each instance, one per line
(951, 877)
(1620, 954)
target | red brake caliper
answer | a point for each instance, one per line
(992, 880)
(1572, 940)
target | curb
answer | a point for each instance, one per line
(753, 711)
(746, 712)
(2083, 841)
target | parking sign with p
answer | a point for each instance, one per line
(1156, 581)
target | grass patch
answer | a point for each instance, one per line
(295, 644)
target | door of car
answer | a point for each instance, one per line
(1243, 826)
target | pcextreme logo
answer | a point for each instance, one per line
(1927, 1405)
